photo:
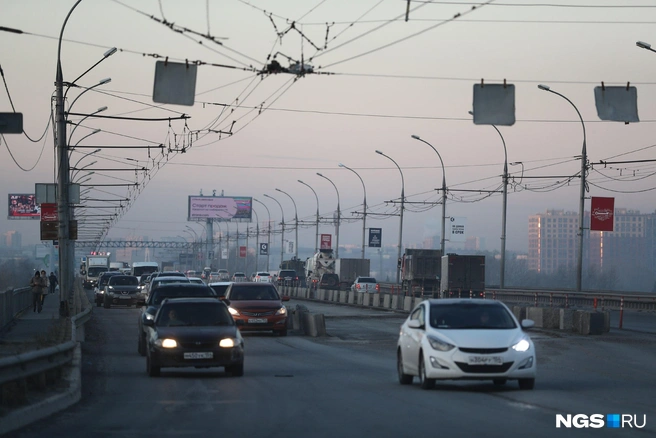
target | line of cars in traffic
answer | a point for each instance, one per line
(185, 324)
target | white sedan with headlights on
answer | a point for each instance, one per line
(465, 339)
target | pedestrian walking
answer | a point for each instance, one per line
(38, 285)
(44, 292)
(52, 282)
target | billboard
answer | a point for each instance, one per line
(602, 216)
(326, 241)
(375, 237)
(23, 206)
(223, 208)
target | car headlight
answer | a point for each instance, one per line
(282, 311)
(227, 343)
(233, 311)
(166, 343)
(110, 287)
(439, 345)
(522, 345)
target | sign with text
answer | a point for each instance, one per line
(23, 206)
(602, 216)
(264, 249)
(326, 241)
(49, 212)
(458, 229)
(291, 247)
(242, 252)
(375, 237)
(223, 208)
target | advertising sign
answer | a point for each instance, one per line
(290, 247)
(602, 214)
(458, 228)
(224, 254)
(242, 251)
(49, 212)
(225, 208)
(264, 249)
(375, 237)
(326, 241)
(23, 206)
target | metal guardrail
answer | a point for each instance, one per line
(13, 302)
(35, 362)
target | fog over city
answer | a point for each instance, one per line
(371, 79)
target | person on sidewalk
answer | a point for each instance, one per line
(52, 281)
(44, 292)
(38, 285)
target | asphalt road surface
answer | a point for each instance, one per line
(345, 385)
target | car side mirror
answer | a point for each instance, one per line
(149, 322)
(285, 298)
(225, 300)
(415, 324)
(528, 323)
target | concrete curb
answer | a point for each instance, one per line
(29, 414)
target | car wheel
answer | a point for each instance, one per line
(141, 344)
(426, 383)
(500, 382)
(526, 383)
(235, 370)
(108, 303)
(152, 370)
(404, 379)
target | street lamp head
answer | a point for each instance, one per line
(300, 181)
(320, 174)
(544, 87)
(278, 190)
(471, 113)
(110, 52)
(105, 81)
(95, 131)
(379, 152)
(643, 45)
(101, 109)
(96, 151)
(416, 137)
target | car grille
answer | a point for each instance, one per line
(483, 350)
(270, 312)
(198, 345)
(484, 369)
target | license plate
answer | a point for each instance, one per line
(124, 297)
(485, 360)
(257, 320)
(194, 355)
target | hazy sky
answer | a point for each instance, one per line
(377, 95)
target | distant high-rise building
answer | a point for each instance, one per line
(12, 239)
(552, 240)
(475, 244)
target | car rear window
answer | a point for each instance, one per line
(287, 273)
(253, 293)
(366, 280)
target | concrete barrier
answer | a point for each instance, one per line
(589, 323)
(366, 299)
(351, 297)
(387, 301)
(375, 302)
(519, 312)
(408, 303)
(343, 296)
(313, 324)
(395, 302)
(566, 319)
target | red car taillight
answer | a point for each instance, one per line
(357, 286)
(377, 287)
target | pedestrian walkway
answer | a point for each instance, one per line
(32, 330)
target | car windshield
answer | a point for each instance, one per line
(220, 289)
(254, 293)
(366, 280)
(460, 316)
(96, 271)
(104, 279)
(123, 280)
(159, 294)
(193, 314)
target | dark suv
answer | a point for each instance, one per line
(287, 277)
(155, 298)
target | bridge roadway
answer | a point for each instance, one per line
(344, 385)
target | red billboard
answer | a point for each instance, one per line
(326, 241)
(602, 214)
(242, 252)
(49, 212)
(23, 206)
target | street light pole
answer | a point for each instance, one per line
(442, 238)
(316, 241)
(364, 207)
(268, 230)
(502, 277)
(257, 241)
(282, 234)
(398, 271)
(295, 221)
(339, 215)
(584, 168)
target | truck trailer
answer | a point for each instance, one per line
(420, 272)
(349, 269)
(462, 276)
